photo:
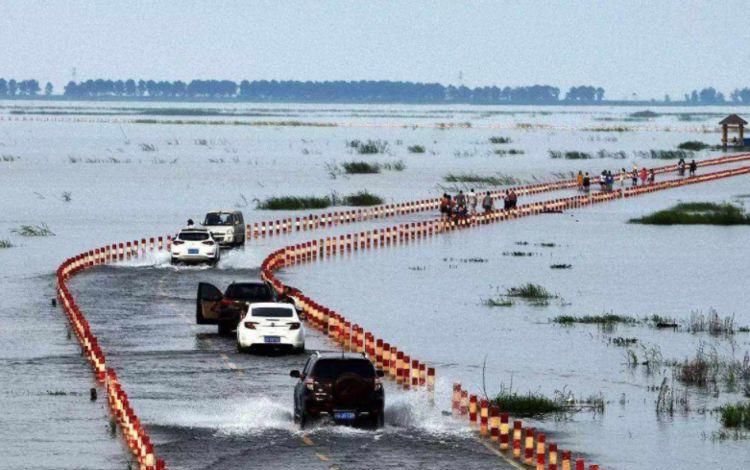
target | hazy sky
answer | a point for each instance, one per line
(644, 47)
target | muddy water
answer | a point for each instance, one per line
(130, 180)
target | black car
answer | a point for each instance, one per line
(227, 309)
(345, 387)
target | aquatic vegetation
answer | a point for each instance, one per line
(362, 198)
(508, 152)
(416, 149)
(711, 323)
(41, 230)
(395, 166)
(5, 243)
(664, 154)
(697, 213)
(369, 147)
(498, 301)
(9, 158)
(570, 155)
(644, 114)
(695, 145)
(607, 318)
(295, 203)
(620, 341)
(66, 196)
(500, 140)
(360, 167)
(561, 266)
(518, 253)
(736, 415)
(530, 291)
(499, 180)
(529, 405)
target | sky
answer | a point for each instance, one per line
(642, 49)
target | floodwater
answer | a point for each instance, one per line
(208, 407)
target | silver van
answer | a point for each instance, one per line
(227, 227)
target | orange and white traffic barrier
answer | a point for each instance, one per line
(504, 432)
(473, 412)
(484, 409)
(541, 452)
(552, 457)
(517, 429)
(456, 399)
(528, 456)
(463, 408)
(494, 423)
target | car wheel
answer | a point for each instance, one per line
(240, 349)
(303, 419)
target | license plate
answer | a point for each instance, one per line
(272, 339)
(192, 251)
(344, 415)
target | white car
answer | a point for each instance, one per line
(227, 227)
(271, 325)
(195, 245)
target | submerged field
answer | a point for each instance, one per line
(90, 183)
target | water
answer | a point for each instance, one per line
(203, 413)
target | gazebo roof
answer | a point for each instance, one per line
(733, 120)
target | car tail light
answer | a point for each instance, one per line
(250, 325)
(209, 243)
(310, 383)
(294, 325)
(378, 383)
(177, 242)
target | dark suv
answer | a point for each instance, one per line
(343, 386)
(227, 309)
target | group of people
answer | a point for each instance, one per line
(465, 204)
(606, 179)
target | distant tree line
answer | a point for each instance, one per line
(330, 91)
(14, 87)
(711, 96)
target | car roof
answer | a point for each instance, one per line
(271, 304)
(340, 355)
(195, 229)
(223, 211)
(256, 282)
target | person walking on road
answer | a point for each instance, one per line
(681, 167)
(461, 198)
(579, 179)
(651, 177)
(487, 203)
(644, 175)
(622, 177)
(472, 202)
(693, 168)
(586, 183)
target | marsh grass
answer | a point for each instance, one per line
(561, 266)
(518, 253)
(416, 149)
(362, 198)
(697, 213)
(508, 152)
(570, 155)
(498, 301)
(369, 147)
(5, 243)
(500, 140)
(664, 154)
(735, 415)
(498, 180)
(395, 166)
(607, 318)
(711, 323)
(528, 405)
(41, 230)
(694, 145)
(644, 114)
(360, 167)
(295, 203)
(530, 291)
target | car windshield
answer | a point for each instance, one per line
(250, 292)
(193, 236)
(333, 368)
(218, 218)
(272, 312)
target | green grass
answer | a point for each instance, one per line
(289, 203)
(395, 166)
(472, 178)
(370, 147)
(359, 167)
(570, 155)
(6, 244)
(498, 302)
(41, 230)
(735, 415)
(529, 405)
(500, 140)
(530, 291)
(608, 318)
(693, 145)
(362, 198)
(697, 213)
(644, 114)
(416, 149)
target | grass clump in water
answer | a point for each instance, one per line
(531, 404)
(570, 155)
(359, 167)
(530, 291)
(395, 166)
(695, 145)
(644, 114)
(472, 178)
(498, 301)
(416, 149)
(697, 213)
(500, 140)
(369, 147)
(362, 198)
(6, 244)
(561, 266)
(607, 318)
(508, 152)
(735, 415)
(295, 203)
(41, 230)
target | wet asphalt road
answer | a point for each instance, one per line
(206, 406)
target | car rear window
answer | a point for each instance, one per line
(272, 312)
(193, 236)
(333, 368)
(250, 292)
(218, 218)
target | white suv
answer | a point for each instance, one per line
(195, 245)
(271, 325)
(227, 227)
